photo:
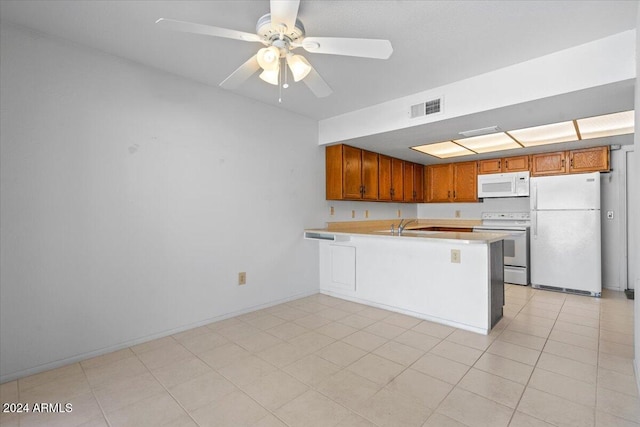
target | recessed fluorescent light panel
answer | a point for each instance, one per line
(486, 140)
(545, 134)
(443, 150)
(607, 125)
(488, 143)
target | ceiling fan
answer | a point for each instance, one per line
(281, 32)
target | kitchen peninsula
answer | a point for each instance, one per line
(450, 277)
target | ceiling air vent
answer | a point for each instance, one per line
(425, 108)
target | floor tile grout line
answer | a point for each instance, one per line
(515, 409)
(93, 393)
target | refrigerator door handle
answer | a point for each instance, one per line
(534, 223)
(535, 196)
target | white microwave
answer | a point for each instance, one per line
(512, 184)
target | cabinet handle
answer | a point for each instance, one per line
(454, 194)
(414, 195)
(571, 163)
(448, 193)
(499, 162)
(506, 164)
(562, 162)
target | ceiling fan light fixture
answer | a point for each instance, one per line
(270, 76)
(299, 66)
(269, 58)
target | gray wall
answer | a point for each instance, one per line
(132, 198)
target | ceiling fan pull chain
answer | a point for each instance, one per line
(280, 87)
(286, 75)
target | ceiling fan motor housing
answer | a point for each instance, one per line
(279, 35)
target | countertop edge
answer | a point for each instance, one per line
(444, 236)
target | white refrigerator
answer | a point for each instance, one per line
(565, 233)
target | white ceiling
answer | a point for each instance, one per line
(435, 42)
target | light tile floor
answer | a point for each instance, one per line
(554, 359)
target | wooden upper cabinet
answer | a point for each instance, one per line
(408, 190)
(515, 164)
(333, 172)
(384, 177)
(439, 180)
(489, 166)
(369, 175)
(413, 182)
(589, 160)
(465, 182)
(453, 182)
(351, 173)
(576, 161)
(549, 164)
(418, 183)
(397, 180)
(356, 174)
(506, 164)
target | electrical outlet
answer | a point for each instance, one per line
(399, 213)
(353, 214)
(457, 214)
(366, 214)
(333, 211)
(455, 256)
(242, 278)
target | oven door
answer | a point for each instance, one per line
(515, 245)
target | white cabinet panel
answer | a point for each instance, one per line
(343, 267)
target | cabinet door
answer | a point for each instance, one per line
(418, 183)
(465, 182)
(589, 160)
(490, 166)
(516, 164)
(369, 175)
(384, 177)
(408, 182)
(438, 183)
(548, 164)
(351, 172)
(333, 172)
(397, 180)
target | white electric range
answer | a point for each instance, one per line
(516, 246)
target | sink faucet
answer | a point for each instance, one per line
(402, 226)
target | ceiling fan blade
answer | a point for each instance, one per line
(207, 30)
(318, 86)
(365, 48)
(241, 74)
(284, 12)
